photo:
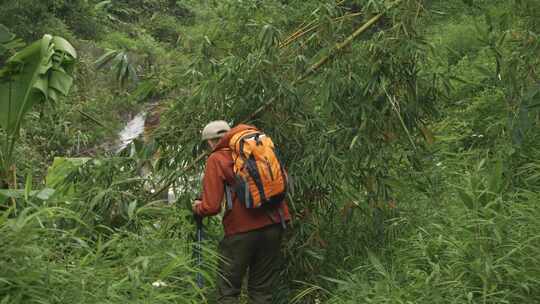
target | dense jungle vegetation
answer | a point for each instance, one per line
(414, 145)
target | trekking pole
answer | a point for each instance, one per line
(198, 248)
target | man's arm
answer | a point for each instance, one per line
(213, 188)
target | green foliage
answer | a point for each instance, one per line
(62, 167)
(166, 29)
(124, 12)
(59, 18)
(98, 238)
(44, 264)
(413, 150)
(8, 43)
(80, 18)
(119, 65)
(458, 40)
(477, 254)
(342, 132)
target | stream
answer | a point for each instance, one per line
(133, 129)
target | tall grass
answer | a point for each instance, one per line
(42, 264)
(481, 245)
(68, 250)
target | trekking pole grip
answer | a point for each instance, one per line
(198, 220)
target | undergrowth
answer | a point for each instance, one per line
(413, 152)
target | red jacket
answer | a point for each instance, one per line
(218, 172)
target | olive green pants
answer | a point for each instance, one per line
(257, 253)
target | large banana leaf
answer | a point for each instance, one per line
(38, 73)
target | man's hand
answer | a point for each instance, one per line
(194, 206)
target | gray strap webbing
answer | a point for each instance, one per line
(247, 196)
(228, 197)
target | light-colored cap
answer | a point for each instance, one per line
(215, 129)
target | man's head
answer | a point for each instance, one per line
(214, 131)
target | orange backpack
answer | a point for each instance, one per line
(261, 180)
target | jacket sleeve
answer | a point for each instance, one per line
(213, 188)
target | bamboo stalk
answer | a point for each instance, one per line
(292, 37)
(340, 46)
(324, 60)
(14, 186)
(300, 29)
(13, 170)
(95, 120)
(337, 48)
(302, 32)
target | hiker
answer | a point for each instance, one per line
(252, 241)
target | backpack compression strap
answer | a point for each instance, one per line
(228, 197)
(229, 201)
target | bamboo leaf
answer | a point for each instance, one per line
(131, 209)
(467, 199)
(28, 186)
(144, 90)
(428, 135)
(376, 263)
(334, 280)
(43, 194)
(102, 5)
(353, 142)
(105, 58)
(496, 177)
(5, 35)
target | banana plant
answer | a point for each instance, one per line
(41, 72)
